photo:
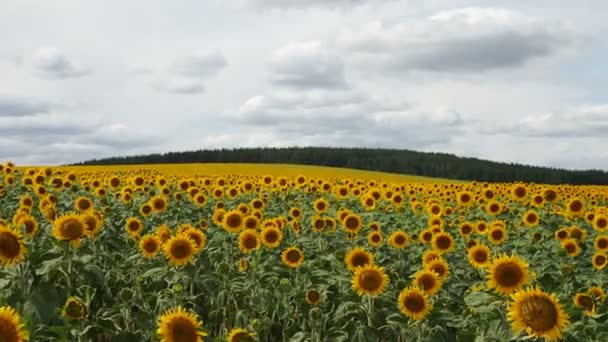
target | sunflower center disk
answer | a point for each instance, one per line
(8, 331)
(370, 280)
(9, 245)
(71, 229)
(414, 303)
(180, 250)
(183, 330)
(509, 274)
(539, 313)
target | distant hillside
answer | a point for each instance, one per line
(440, 165)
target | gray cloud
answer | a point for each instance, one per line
(307, 65)
(577, 122)
(461, 40)
(51, 63)
(284, 4)
(13, 106)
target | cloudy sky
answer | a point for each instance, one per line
(517, 81)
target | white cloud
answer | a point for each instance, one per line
(52, 63)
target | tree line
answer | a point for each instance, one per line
(429, 164)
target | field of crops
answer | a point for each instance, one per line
(144, 254)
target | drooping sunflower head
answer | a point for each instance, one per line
(369, 280)
(74, 308)
(11, 326)
(149, 246)
(358, 257)
(414, 303)
(538, 313)
(240, 335)
(313, 296)
(292, 257)
(180, 250)
(178, 325)
(398, 239)
(479, 256)
(507, 274)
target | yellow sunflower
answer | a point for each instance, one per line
(149, 246)
(497, 234)
(369, 280)
(271, 236)
(538, 313)
(240, 335)
(443, 242)
(531, 218)
(178, 325)
(321, 205)
(427, 281)
(134, 227)
(374, 239)
(599, 260)
(351, 223)
(585, 302)
(507, 274)
(163, 232)
(249, 241)
(439, 266)
(180, 250)
(292, 257)
(233, 221)
(414, 303)
(571, 247)
(70, 227)
(398, 239)
(479, 256)
(12, 328)
(74, 308)
(83, 204)
(12, 249)
(358, 257)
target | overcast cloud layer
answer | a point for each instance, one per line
(502, 80)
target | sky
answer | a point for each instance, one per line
(513, 81)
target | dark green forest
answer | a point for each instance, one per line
(388, 160)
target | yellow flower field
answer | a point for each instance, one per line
(241, 252)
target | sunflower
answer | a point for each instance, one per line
(94, 222)
(531, 218)
(30, 225)
(83, 204)
(249, 241)
(481, 227)
(180, 249)
(585, 302)
(70, 227)
(370, 280)
(493, 208)
(158, 203)
(12, 328)
(12, 250)
(599, 260)
(271, 236)
(519, 191)
(318, 224)
(358, 257)
(571, 247)
(240, 335)
(465, 198)
(497, 234)
(597, 293)
(321, 205)
(538, 313)
(443, 242)
(398, 239)
(292, 257)
(600, 223)
(145, 210)
(428, 281)
(178, 325)
(313, 296)
(562, 234)
(199, 238)
(243, 264)
(465, 229)
(479, 256)
(351, 223)
(575, 208)
(426, 236)
(374, 239)
(149, 246)
(74, 308)
(134, 227)
(163, 232)
(414, 303)
(577, 233)
(233, 221)
(439, 266)
(507, 274)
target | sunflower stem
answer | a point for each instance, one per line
(370, 310)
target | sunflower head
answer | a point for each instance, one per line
(249, 241)
(369, 280)
(497, 234)
(443, 242)
(351, 223)
(313, 296)
(71, 227)
(83, 204)
(414, 303)
(507, 274)
(271, 236)
(428, 281)
(584, 301)
(374, 239)
(11, 326)
(292, 257)
(149, 246)
(180, 250)
(179, 325)
(440, 267)
(134, 227)
(398, 239)
(358, 257)
(538, 313)
(74, 308)
(479, 256)
(233, 221)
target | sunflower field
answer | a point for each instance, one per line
(143, 255)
